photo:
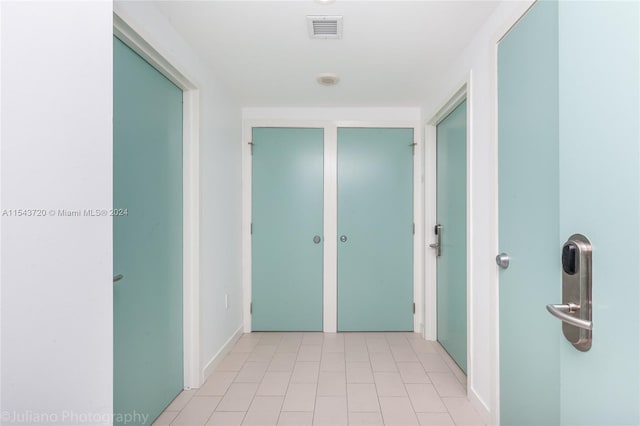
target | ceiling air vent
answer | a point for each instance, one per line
(324, 26)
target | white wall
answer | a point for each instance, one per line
(220, 180)
(477, 64)
(56, 334)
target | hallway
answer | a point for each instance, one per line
(328, 379)
(551, 204)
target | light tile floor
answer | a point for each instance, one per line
(303, 379)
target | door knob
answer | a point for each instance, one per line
(317, 239)
(343, 238)
(502, 260)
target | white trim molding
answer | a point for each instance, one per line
(143, 46)
(431, 185)
(463, 93)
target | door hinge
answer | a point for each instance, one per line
(413, 148)
(414, 228)
(251, 307)
(251, 228)
(414, 308)
(251, 145)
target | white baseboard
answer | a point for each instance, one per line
(479, 406)
(215, 360)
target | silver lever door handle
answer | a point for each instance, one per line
(434, 245)
(562, 313)
(117, 278)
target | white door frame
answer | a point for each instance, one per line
(191, 199)
(431, 283)
(330, 228)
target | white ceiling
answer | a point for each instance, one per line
(389, 53)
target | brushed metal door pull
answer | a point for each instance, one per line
(562, 313)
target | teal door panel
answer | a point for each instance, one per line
(147, 241)
(600, 198)
(375, 229)
(574, 66)
(528, 219)
(452, 216)
(287, 213)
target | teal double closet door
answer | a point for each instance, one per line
(375, 229)
(374, 220)
(286, 230)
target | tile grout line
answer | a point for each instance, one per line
(315, 399)
(243, 364)
(373, 375)
(264, 374)
(290, 376)
(432, 383)
(254, 395)
(415, 413)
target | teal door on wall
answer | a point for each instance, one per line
(147, 237)
(569, 162)
(452, 220)
(375, 229)
(287, 222)
(528, 219)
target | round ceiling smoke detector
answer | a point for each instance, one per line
(328, 79)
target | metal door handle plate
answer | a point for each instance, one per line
(438, 244)
(576, 310)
